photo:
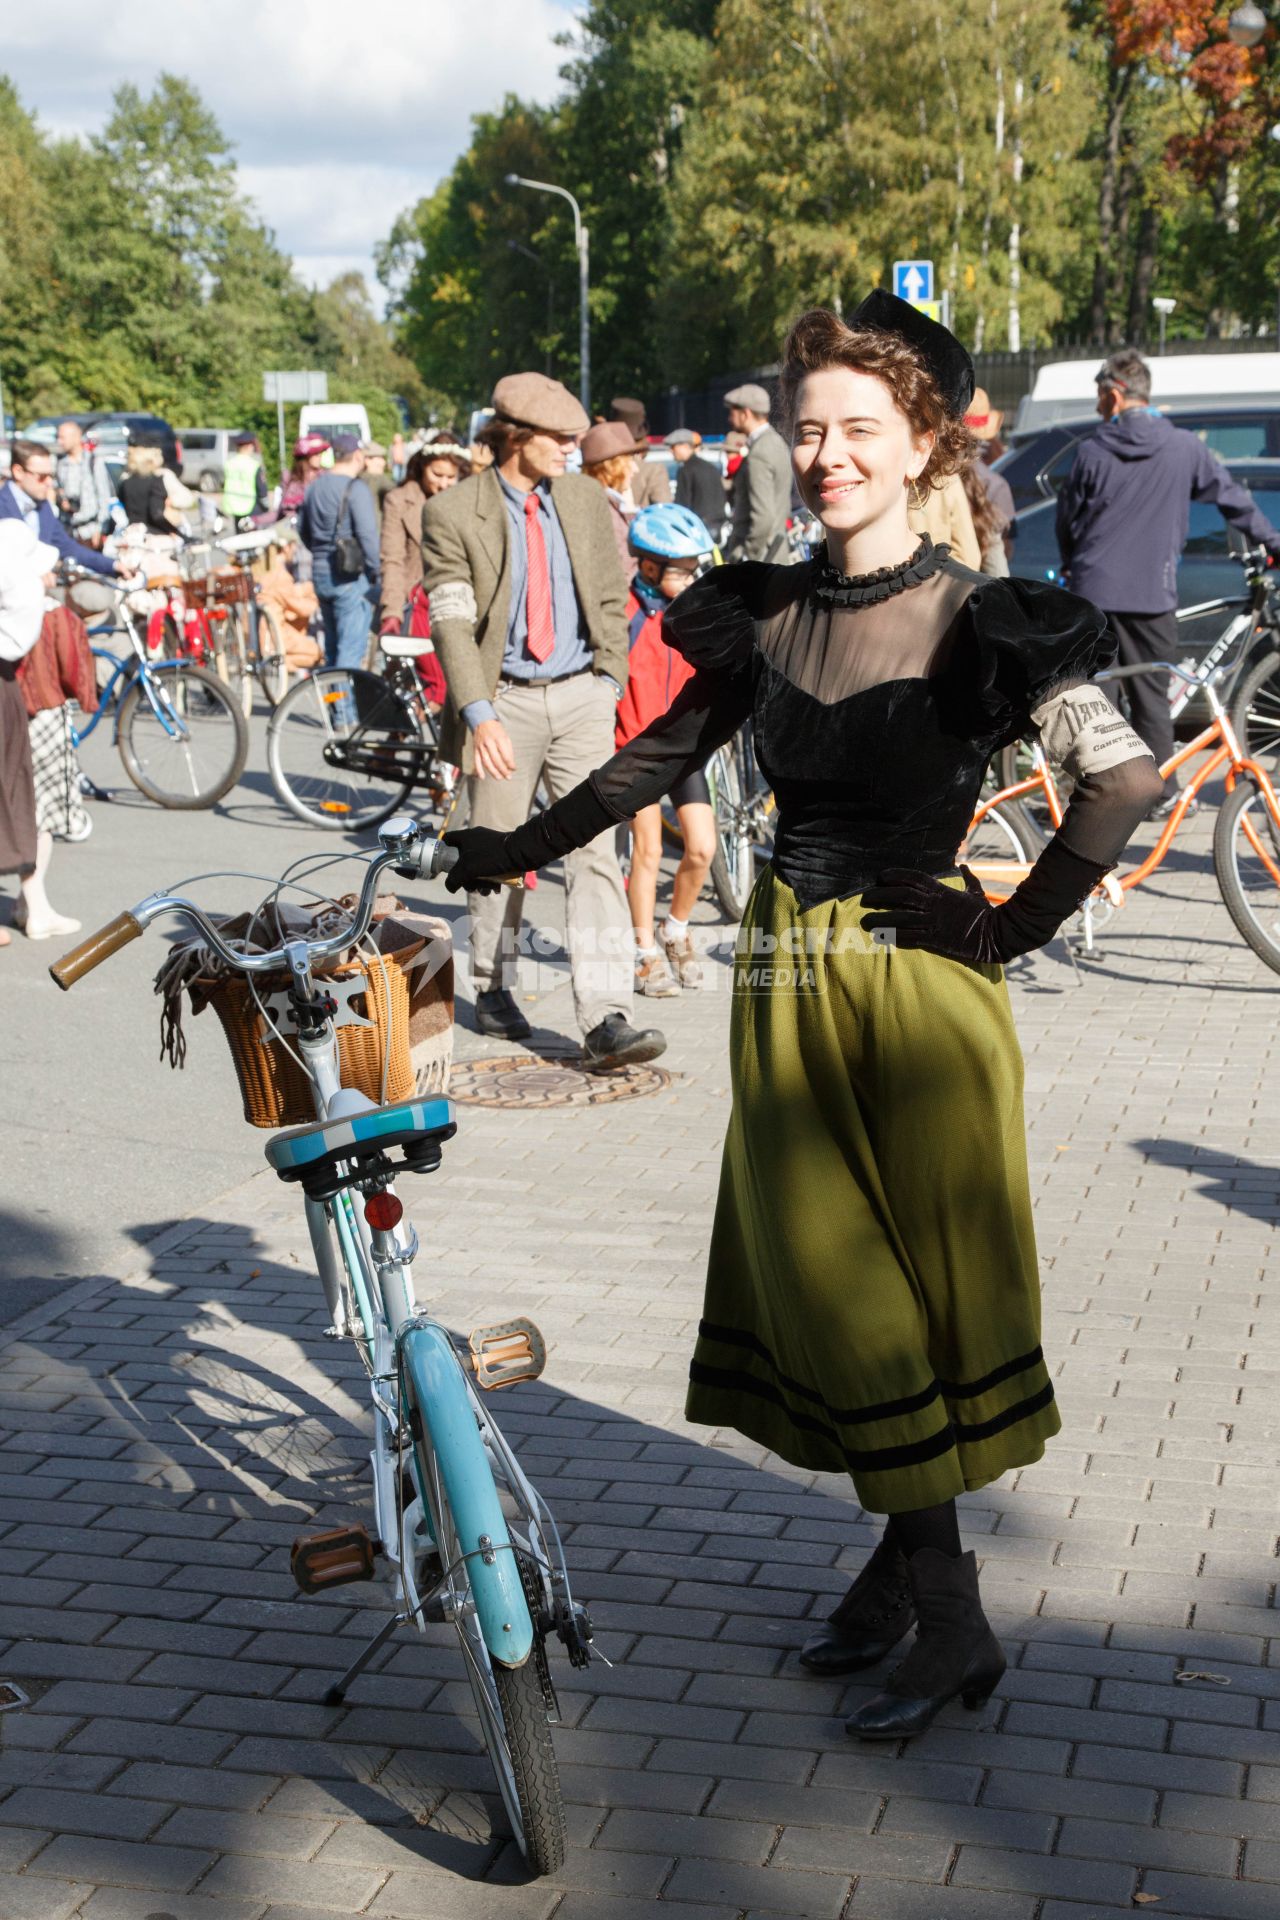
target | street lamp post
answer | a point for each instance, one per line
(1164, 306)
(1247, 24)
(584, 278)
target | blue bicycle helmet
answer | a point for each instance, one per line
(669, 533)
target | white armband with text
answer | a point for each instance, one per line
(1082, 732)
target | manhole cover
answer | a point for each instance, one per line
(524, 1080)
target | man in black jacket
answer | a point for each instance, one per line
(1122, 521)
(698, 483)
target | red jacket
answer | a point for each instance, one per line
(655, 674)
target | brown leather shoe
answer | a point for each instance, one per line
(654, 977)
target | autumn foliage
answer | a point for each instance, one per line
(1220, 84)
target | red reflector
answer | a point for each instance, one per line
(383, 1211)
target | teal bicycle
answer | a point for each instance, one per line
(466, 1540)
(182, 737)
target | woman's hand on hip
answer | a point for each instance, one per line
(958, 922)
(495, 757)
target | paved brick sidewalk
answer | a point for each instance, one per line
(166, 1438)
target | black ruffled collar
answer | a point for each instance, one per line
(831, 588)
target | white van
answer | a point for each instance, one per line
(334, 416)
(1065, 389)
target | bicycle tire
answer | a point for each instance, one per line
(271, 662)
(233, 662)
(1037, 828)
(1255, 711)
(1228, 833)
(196, 696)
(325, 795)
(533, 1761)
(733, 863)
(1010, 819)
(511, 1703)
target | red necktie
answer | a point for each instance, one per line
(538, 615)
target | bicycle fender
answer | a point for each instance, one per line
(441, 1395)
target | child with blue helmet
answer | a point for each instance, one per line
(671, 547)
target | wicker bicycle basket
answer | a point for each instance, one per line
(275, 1089)
(224, 587)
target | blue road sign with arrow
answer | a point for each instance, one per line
(913, 280)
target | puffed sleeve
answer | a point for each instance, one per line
(713, 623)
(1032, 638)
(1037, 647)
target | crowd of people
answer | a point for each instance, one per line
(872, 1302)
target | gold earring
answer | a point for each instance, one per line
(917, 495)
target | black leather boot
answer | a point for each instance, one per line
(869, 1621)
(497, 1014)
(954, 1652)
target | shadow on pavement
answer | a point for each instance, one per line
(193, 1423)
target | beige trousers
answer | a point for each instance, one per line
(560, 733)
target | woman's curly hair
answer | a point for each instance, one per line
(820, 339)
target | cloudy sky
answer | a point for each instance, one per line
(342, 112)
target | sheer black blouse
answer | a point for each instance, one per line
(876, 705)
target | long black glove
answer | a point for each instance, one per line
(964, 925)
(487, 857)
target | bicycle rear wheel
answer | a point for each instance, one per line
(270, 662)
(183, 739)
(512, 1702)
(231, 658)
(733, 866)
(1255, 711)
(343, 749)
(1246, 860)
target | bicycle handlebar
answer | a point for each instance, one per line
(414, 853)
(98, 947)
(1167, 666)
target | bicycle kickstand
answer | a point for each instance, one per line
(337, 1693)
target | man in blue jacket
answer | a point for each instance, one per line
(28, 496)
(1122, 523)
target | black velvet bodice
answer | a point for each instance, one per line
(940, 672)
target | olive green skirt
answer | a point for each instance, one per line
(872, 1301)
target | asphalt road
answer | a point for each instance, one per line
(105, 1145)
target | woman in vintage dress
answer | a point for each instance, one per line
(872, 1301)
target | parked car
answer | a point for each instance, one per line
(331, 417)
(1209, 572)
(204, 456)
(1065, 389)
(1039, 460)
(112, 432)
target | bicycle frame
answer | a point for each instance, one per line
(1219, 734)
(396, 1337)
(126, 670)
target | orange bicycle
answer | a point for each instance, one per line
(1246, 837)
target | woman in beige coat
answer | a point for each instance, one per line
(437, 465)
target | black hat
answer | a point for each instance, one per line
(937, 346)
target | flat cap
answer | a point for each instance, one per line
(751, 396)
(682, 437)
(533, 400)
(374, 450)
(606, 441)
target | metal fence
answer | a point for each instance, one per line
(1007, 377)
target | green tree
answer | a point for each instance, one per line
(468, 304)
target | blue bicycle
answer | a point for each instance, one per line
(465, 1537)
(181, 734)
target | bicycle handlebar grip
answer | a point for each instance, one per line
(98, 947)
(443, 859)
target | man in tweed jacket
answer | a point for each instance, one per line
(528, 604)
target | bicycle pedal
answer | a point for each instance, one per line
(332, 1559)
(501, 1355)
